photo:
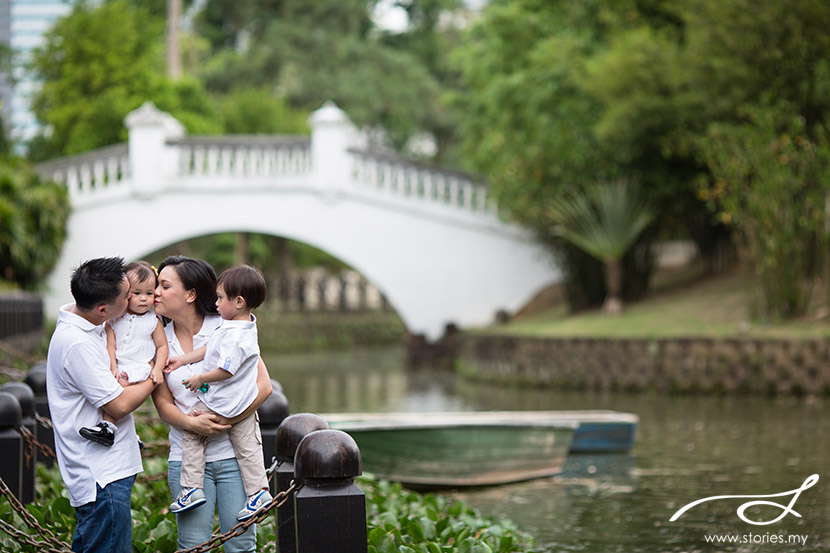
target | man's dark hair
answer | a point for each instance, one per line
(245, 281)
(196, 275)
(97, 281)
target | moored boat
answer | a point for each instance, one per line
(458, 449)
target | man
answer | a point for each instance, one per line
(79, 384)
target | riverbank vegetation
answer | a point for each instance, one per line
(399, 520)
(687, 302)
(283, 332)
(716, 112)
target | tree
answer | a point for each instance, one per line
(96, 65)
(310, 52)
(770, 181)
(604, 220)
(33, 215)
(528, 125)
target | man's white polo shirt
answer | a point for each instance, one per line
(78, 383)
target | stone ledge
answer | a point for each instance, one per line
(668, 365)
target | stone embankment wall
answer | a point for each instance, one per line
(682, 365)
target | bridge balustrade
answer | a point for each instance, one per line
(391, 175)
(417, 229)
(98, 171)
(242, 156)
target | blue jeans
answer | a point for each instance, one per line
(225, 493)
(105, 525)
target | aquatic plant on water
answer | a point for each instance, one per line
(399, 520)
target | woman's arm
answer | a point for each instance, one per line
(264, 390)
(204, 424)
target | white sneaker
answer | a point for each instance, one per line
(255, 502)
(187, 499)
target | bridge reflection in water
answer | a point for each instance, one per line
(687, 448)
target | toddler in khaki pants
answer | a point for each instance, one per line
(227, 388)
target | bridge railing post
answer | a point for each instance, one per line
(289, 435)
(150, 159)
(26, 398)
(330, 510)
(11, 443)
(332, 134)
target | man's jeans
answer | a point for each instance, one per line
(224, 493)
(105, 525)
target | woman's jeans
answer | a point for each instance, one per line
(224, 492)
(105, 525)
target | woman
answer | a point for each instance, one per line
(186, 299)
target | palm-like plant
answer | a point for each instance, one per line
(603, 220)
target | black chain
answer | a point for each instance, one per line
(242, 527)
(31, 443)
(27, 517)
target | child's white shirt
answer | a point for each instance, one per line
(233, 348)
(134, 346)
(218, 446)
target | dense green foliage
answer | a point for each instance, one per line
(98, 64)
(33, 214)
(398, 520)
(544, 98)
(562, 94)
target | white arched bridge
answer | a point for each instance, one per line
(428, 238)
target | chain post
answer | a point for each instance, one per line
(289, 435)
(36, 380)
(26, 397)
(11, 443)
(327, 462)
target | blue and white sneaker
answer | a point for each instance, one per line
(187, 499)
(255, 502)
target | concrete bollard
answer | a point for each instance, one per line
(11, 443)
(271, 414)
(330, 510)
(26, 398)
(36, 380)
(289, 435)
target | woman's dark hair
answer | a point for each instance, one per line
(97, 281)
(196, 275)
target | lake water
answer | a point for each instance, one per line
(688, 448)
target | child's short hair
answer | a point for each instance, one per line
(97, 281)
(140, 271)
(245, 281)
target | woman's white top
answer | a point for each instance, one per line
(134, 346)
(218, 446)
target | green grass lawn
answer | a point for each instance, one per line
(682, 304)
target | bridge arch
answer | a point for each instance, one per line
(427, 238)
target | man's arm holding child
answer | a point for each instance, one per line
(129, 399)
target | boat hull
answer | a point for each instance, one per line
(453, 451)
